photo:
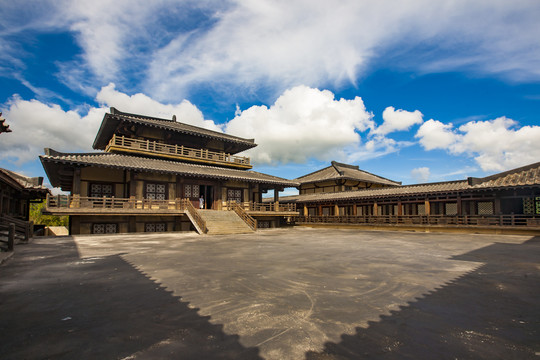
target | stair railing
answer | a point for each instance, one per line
(194, 216)
(239, 210)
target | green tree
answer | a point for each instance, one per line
(36, 215)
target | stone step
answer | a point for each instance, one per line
(224, 222)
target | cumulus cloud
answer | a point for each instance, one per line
(37, 125)
(398, 120)
(301, 124)
(420, 174)
(140, 103)
(495, 144)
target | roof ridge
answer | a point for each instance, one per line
(506, 173)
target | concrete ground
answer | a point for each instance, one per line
(277, 294)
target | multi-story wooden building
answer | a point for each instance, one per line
(156, 174)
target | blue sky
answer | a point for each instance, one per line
(414, 91)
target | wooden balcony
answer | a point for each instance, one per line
(524, 221)
(177, 152)
(83, 205)
(266, 209)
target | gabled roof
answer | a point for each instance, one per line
(53, 162)
(114, 118)
(34, 185)
(339, 171)
(524, 176)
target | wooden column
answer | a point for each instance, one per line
(375, 209)
(497, 206)
(354, 210)
(76, 187)
(399, 208)
(336, 210)
(459, 205)
(276, 199)
(305, 210)
(426, 204)
(320, 210)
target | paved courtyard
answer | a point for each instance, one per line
(278, 294)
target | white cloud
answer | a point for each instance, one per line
(37, 125)
(496, 145)
(420, 174)
(434, 134)
(398, 120)
(242, 46)
(139, 103)
(301, 124)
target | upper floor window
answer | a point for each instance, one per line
(101, 190)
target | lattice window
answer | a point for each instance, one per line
(195, 190)
(104, 228)
(187, 191)
(234, 195)
(263, 224)
(421, 209)
(101, 190)
(485, 208)
(155, 227)
(156, 191)
(528, 206)
(537, 205)
(450, 209)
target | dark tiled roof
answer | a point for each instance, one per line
(144, 164)
(396, 191)
(339, 171)
(522, 176)
(112, 119)
(3, 126)
(23, 182)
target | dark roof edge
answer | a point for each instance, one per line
(476, 181)
(50, 155)
(114, 111)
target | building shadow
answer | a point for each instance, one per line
(55, 305)
(492, 312)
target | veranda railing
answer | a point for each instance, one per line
(457, 220)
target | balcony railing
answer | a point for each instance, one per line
(427, 220)
(122, 143)
(265, 207)
(82, 204)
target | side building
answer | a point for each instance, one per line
(510, 198)
(155, 174)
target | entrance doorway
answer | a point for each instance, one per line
(208, 192)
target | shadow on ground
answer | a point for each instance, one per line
(55, 305)
(492, 312)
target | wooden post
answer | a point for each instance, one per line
(427, 207)
(336, 210)
(375, 209)
(11, 237)
(399, 208)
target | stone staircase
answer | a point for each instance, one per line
(224, 222)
